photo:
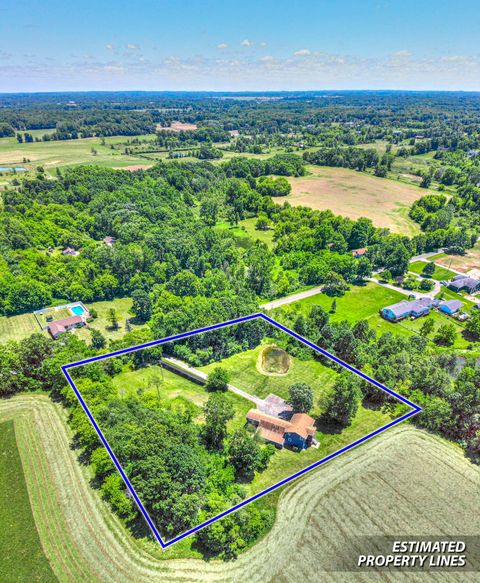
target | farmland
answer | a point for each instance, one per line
(78, 532)
(61, 153)
(18, 327)
(355, 194)
(20, 548)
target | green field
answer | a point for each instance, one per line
(360, 303)
(174, 391)
(245, 375)
(440, 273)
(58, 154)
(22, 555)
(246, 233)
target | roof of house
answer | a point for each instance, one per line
(404, 307)
(360, 251)
(108, 240)
(452, 304)
(300, 423)
(464, 281)
(60, 326)
(275, 406)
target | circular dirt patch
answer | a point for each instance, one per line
(274, 361)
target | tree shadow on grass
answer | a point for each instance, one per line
(328, 427)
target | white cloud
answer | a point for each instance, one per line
(267, 59)
(132, 47)
(109, 46)
(246, 43)
(222, 46)
(302, 53)
(402, 54)
(263, 44)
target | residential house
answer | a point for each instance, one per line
(450, 307)
(70, 251)
(359, 252)
(464, 283)
(61, 326)
(109, 241)
(298, 432)
(404, 309)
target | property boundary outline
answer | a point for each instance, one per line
(164, 544)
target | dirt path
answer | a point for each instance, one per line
(293, 298)
(202, 376)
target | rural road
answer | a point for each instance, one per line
(202, 376)
(293, 298)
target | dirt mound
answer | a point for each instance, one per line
(274, 361)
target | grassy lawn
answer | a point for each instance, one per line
(22, 555)
(245, 375)
(18, 327)
(439, 274)
(175, 392)
(359, 303)
(121, 306)
(264, 236)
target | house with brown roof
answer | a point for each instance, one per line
(357, 253)
(61, 326)
(298, 432)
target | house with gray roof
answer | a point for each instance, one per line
(464, 283)
(404, 309)
(450, 307)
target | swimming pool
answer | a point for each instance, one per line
(77, 310)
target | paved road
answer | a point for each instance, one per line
(202, 376)
(293, 298)
(424, 256)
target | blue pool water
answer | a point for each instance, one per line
(8, 169)
(77, 310)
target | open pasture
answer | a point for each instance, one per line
(356, 194)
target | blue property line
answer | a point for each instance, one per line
(415, 409)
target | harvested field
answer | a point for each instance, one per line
(393, 485)
(356, 194)
(464, 263)
(178, 126)
(137, 167)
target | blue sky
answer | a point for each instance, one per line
(53, 45)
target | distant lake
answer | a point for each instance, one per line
(17, 169)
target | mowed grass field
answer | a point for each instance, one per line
(439, 274)
(245, 375)
(398, 484)
(356, 194)
(22, 556)
(18, 327)
(61, 153)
